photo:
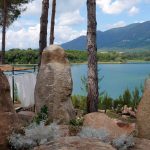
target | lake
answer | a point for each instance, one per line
(117, 77)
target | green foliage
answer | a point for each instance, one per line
(17, 56)
(29, 56)
(76, 56)
(127, 97)
(42, 116)
(76, 122)
(75, 126)
(14, 7)
(79, 102)
(107, 102)
(136, 97)
(131, 99)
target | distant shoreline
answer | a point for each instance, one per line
(128, 62)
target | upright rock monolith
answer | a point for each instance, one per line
(143, 113)
(8, 118)
(54, 85)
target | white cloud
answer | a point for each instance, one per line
(116, 25)
(66, 33)
(117, 6)
(70, 18)
(29, 38)
(133, 11)
(33, 8)
(23, 38)
(24, 33)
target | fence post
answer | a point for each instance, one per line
(13, 85)
(34, 68)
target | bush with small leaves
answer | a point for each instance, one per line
(75, 125)
(88, 132)
(34, 135)
(42, 116)
(123, 142)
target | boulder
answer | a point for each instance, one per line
(128, 111)
(114, 127)
(26, 117)
(75, 143)
(143, 113)
(54, 85)
(8, 118)
(141, 144)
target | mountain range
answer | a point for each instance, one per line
(133, 36)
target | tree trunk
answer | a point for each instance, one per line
(43, 28)
(92, 97)
(4, 15)
(52, 22)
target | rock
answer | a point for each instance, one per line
(26, 117)
(8, 117)
(6, 103)
(128, 111)
(143, 113)
(98, 120)
(125, 109)
(54, 85)
(141, 144)
(75, 143)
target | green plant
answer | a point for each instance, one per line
(127, 97)
(107, 103)
(79, 102)
(136, 97)
(76, 122)
(42, 116)
(75, 126)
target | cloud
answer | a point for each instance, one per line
(117, 6)
(33, 8)
(29, 37)
(68, 19)
(66, 33)
(62, 6)
(24, 33)
(133, 11)
(116, 25)
(23, 38)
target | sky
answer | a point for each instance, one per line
(71, 20)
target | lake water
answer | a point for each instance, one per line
(117, 77)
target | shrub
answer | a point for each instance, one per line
(34, 135)
(42, 116)
(75, 125)
(88, 132)
(123, 142)
(76, 122)
(79, 102)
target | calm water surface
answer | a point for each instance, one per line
(117, 77)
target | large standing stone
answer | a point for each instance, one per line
(143, 113)
(8, 118)
(54, 85)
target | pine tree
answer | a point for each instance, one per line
(92, 98)
(10, 10)
(43, 28)
(52, 22)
